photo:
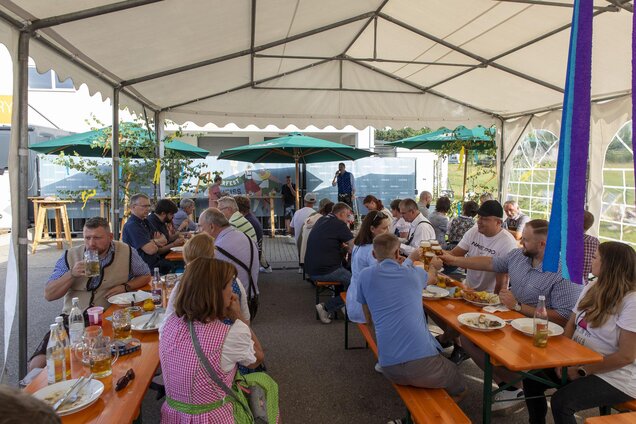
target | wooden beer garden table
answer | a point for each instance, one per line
(625, 418)
(175, 256)
(115, 407)
(508, 347)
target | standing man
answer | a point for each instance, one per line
(346, 185)
(214, 193)
(515, 220)
(420, 228)
(139, 234)
(289, 202)
(425, 203)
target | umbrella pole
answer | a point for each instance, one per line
(465, 173)
(297, 185)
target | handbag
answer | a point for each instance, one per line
(254, 397)
(252, 296)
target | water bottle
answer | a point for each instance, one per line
(55, 357)
(76, 323)
(156, 288)
(541, 324)
(63, 336)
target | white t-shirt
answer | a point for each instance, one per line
(299, 219)
(238, 347)
(399, 224)
(604, 340)
(420, 230)
(478, 244)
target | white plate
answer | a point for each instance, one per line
(87, 396)
(480, 303)
(434, 292)
(526, 326)
(177, 249)
(124, 299)
(138, 323)
(469, 320)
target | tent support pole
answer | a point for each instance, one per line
(23, 217)
(465, 173)
(114, 196)
(297, 185)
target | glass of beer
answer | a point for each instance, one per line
(101, 359)
(437, 249)
(434, 242)
(428, 257)
(122, 328)
(425, 246)
(91, 260)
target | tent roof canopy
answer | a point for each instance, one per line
(368, 62)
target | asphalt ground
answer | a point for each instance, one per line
(319, 381)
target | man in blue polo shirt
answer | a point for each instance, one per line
(346, 185)
(139, 234)
(391, 297)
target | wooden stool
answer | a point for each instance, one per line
(323, 286)
(41, 234)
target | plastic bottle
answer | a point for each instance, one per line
(541, 324)
(76, 323)
(63, 336)
(156, 288)
(55, 357)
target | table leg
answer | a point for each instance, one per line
(67, 227)
(487, 404)
(39, 227)
(58, 227)
(272, 224)
(101, 208)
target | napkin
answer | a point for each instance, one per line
(493, 309)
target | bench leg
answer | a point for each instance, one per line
(317, 299)
(605, 410)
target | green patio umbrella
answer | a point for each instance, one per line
(478, 138)
(89, 144)
(294, 148)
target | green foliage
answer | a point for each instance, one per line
(395, 135)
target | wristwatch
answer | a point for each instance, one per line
(126, 287)
(581, 372)
(517, 307)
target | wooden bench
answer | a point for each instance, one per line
(424, 405)
(626, 418)
(627, 406)
(325, 286)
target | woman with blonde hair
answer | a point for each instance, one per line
(604, 320)
(202, 246)
(199, 311)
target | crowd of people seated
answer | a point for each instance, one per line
(500, 249)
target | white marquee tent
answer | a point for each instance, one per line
(331, 62)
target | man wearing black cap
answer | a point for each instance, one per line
(487, 238)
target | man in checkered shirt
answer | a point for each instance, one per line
(590, 245)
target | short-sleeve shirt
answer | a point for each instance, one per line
(590, 245)
(517, 223)
(361, 258)
(393, 293)
(258, 228)
(181, 216)
(299, 219)
(604, 339)
(137, 233)
(238, 245)
(288, 198)
(324, 243)
(458, 227)
(420, 230)
(440, 225)
(528, 283)
(238, 221)
(478, 244)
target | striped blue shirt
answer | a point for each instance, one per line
(527, 283)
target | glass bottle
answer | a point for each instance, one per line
(76, 323)
(55, 358)
(63, 336)
(541, 323)
(156, 288)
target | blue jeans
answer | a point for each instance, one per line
(340, 275)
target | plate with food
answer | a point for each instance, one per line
(526, 326)
(481, 322)
(481, 298)
(125, 299)
(454, 293)
(139, 322)
(444, 282)
(434, 293)
(86, 396)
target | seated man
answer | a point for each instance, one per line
(420, 228)
(515, 220)
(590, 245)
(391, 297)
(229, 208)
(181, 219)
(399, 227)
(122, 270)
(527, 281)
(233, 246)
(165, 209)
(243, 204)
(324, 256)
(139, 234)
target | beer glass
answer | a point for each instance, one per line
(428, 257)
(122, 327)
(438, 250)
(425, 246)
(102, 357)
(91, 260)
